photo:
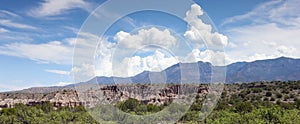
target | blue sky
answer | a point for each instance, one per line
(37, 36)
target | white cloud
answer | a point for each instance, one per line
(58, 7)
(9, 23)
(272, 31)
(15, 85)
(144, 37)
(73, 29)
(200, 33)
(110, 62)
(61, 72)
(2, 30)
(284, 12)
(8, 14)
(83, 72)
(51, 52)
(123, 65)
(259, 13)
(263, 42)
(216, 58)
(6, 87)
(104, 58)
(63, 83)
(86, 56)
(155, 62)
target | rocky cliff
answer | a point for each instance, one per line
(108, 94)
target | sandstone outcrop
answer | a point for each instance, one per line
(109, 94)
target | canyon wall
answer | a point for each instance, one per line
(108, 94)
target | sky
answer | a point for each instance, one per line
(37, 37)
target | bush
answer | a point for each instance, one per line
(141, 109)
(196, 107)
(8, 111)
(153, 108)
(256, 90)
(129, 105)
(243, 107)
(190, 116)
(272, 99)
(297, 103)
(39, 114)
(268, 94)
(286, 98)
(278, 95)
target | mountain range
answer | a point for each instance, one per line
(279, 69)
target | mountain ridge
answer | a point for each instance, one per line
(279, 69)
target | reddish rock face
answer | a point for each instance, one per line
(147, 94)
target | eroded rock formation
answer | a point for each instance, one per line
(109, 94)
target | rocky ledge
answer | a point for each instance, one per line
(111, 94)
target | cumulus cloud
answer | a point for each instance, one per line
(84, 72)
(146, 37)
(123, 65)
(155, 62)
(200, 33)
(110, 62)
(216, 58)
(106, 65)
(58, 7)
(104, 58)
(85, 55)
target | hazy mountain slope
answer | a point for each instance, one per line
(281, 69)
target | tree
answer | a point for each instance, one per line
(243, 107)
(46, 107)
(129, 105)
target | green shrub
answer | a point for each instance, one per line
(278, 95)
(268, 94)
(129, 105)
(243, 107)
(272, 99)
(153, 108)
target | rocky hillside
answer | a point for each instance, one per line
(59, 98)
(147, 94)
(274, 91)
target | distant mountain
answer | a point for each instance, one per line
(41, 89)
(279, 69)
